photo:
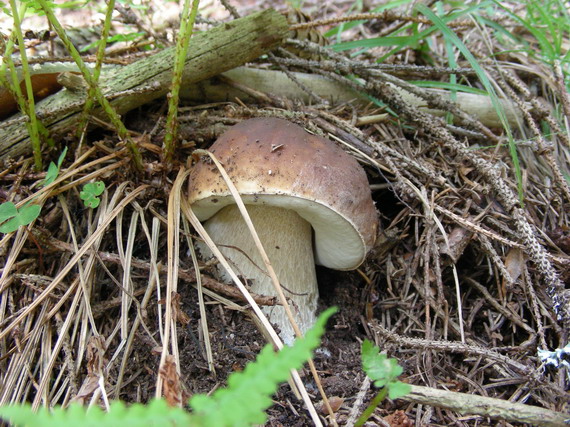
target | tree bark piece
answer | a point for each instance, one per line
(464, 403)
(277, 83)
(211, 52)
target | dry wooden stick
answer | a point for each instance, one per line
(465, 403)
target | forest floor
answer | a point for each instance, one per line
(465, 283)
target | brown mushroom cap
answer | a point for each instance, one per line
(274, 162)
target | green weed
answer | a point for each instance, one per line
(384, 372)
(11, 218)
(91, 192)
(53, 169)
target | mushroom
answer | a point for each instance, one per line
(309, 201)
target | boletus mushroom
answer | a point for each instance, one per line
(309, 201)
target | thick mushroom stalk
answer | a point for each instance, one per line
(287, 239)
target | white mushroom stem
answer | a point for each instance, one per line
(287, 240)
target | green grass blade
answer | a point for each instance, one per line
(452, 37)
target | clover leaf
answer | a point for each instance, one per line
(91, 192)
(12, 217)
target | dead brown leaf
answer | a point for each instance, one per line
(171, 380)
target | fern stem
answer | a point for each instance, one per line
(26, 103)
(91, 96)
(373, 405)
(186, 26)
(107, 107)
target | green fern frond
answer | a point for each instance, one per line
(155, 413)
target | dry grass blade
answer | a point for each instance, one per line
(201, 303)
(153, 283)
(126, 255)
(85, 270)
(41, 397)
(84, 249)
(170, 346)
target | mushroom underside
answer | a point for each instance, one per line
(337, 244)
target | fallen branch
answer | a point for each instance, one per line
(211, 52)
(278, 83)
(464, 403)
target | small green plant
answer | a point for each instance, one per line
(128, 37)
(241, 403)
(188, 17)
(12, 218)
(24, 98)
(91, 192)
(53, 169)
(384, 372)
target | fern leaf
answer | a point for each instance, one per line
(156, 413)
(249, 392)
(383, 371)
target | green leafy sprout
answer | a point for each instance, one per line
(384, 372)
(242, 403)
(53, 169)
(91, 192)
(11, 218)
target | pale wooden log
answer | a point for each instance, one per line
(277, 83)
(469, 404)
(211, 52)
